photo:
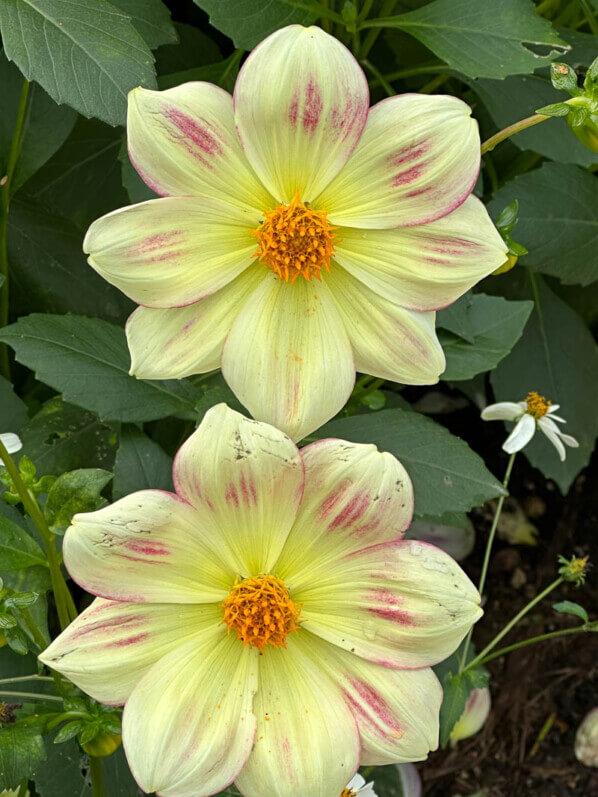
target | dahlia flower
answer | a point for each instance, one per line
(536, 412)
(266, 624)
(300, 235)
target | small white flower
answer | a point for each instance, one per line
(11, 442)
(535, 412)
(358, 786)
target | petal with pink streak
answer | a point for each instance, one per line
(110, 646)
(355, 497)
(245, 479)
(403, 604)
(301, 101)
(183, 142)
(417, 160)
(148, 547)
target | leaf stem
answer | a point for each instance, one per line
(532, 641)
(23, 787)
(33, 629)
(5, 183)
(97, 777)
(369, 41)
(36, 695)
(379, 77)
(21, 678)
(509, 131)
(487, 553)
(64, 607)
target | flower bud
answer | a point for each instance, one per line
(586, 740)
(507, 265)
(103, 744)
(475, 715)
(587, 131)
(514, 527)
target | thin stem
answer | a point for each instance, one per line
(325, 20)
(25, 678)
(370, 39)
(414, 71)
(487, 553)
(13, 157)
(589, 15)
(36, 695)
(532, 641)
(527, 608)
(23, 788)
(234, 61)
(365, 10)
(379, 77)
(434, 84)
(68, 715)
(509, 131)
(97, 777)
(32, 508)
(365, 390)
(31, 626)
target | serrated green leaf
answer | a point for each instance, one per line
(152, 20)
(497, 325)
(17, 548)
(21, 752)
(455, 318)
(87, 360)
(446, 474)
(569, 607)
(14, 410)
(557, 357)
(482, 38)
(247, 22)
(140, 464)
(558, 220)
(88, 56)
(77, 491)
(194, 48)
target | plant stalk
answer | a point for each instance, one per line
(97, 777)
(369, 41)
(509, 131)
(532, 641)
(35, 695)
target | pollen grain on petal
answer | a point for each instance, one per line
(295, 240)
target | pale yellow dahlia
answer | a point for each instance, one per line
(265, 624)
(302, 236)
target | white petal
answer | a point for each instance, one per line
(288, 358)
(183, 142)
(181, 341)
(552, 435)
(110, 646)
(307, 741)
(172, 252)
(301, 101)
(388, 341)
(417, 160)
(503, 411)
(245, 479)
(521, 435)
(188, 726)
(11, 442)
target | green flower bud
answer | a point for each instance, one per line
(586, 131)
(103, 744)
(586, 740)
(475, 715)
(507, 265)
(574, 569)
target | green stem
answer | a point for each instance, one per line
(67, 715)
(532, 641)
(234, 61)
(31, 626)
(360, 392)
(23, 788)
(13, 156)
(509, 131)
(386, 9)
(513, 622)
(325, 20)
(36, 695)
(589, 15)
(21, 678)
(365, 10)
(434, 84)
(97, 777)
(424, 69)
(379, 77)
(487, 553)
(32, 508)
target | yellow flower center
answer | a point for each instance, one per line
(260, 611)
(348, 793)
(537, 405)
(294, 239)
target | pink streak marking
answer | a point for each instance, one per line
(293, 111)
(376, 703)
(312, 109)
(148, 549)
(352, 511)
(332, 499)
(123, 643)
(196, 132)
(101, 625)
(231, 496)
(408, 176)
(406, 155)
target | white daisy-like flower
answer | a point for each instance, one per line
(535, 412)
(358, 786)
(11, 442)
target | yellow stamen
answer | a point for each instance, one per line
(537, 405)
(295, 240)
(348, 793)
(260, 611)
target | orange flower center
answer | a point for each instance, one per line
(260, 611)
(294, 239)
(348, 793)
(537, 405)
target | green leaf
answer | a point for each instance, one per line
(21, 752)
(563, 78)
(36, 579)
(455, 318)
(17, 640)
(194, 47)
(140, 464)
(457, 687)
(446, 474)
(497, 325)
(14, 411)
(558, 220)
(222, 73)
(82, 180)
(87, 360)
(518, 97)
(152, 20)
(568, 607)
(557, 357)
(247, 22)
(482, 38)
(48, 268)
(394, 780)
(64, 437)
(45, 127)
(17, 548)
(68, 731)
(137, 190)
(77, 491)
(87, 55)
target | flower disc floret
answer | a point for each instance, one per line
(260, 611)
(348, 793)
(537, 405)
(295, 240)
